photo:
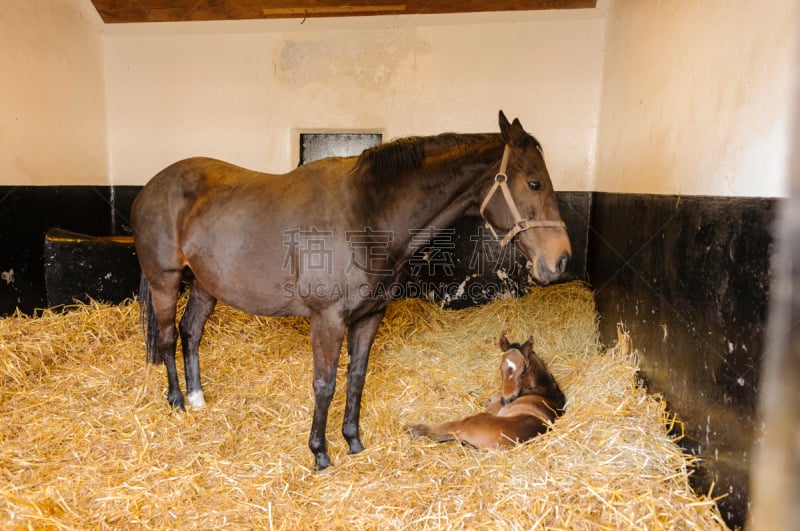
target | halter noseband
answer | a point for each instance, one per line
(521, 224)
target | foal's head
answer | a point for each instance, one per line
(513, 368)
(524, 373)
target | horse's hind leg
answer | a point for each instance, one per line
(164, 297)
(360, 336)
(198, 308)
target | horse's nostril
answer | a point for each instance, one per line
(547, 275)
(562, 264)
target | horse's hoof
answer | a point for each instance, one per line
(176, 401)
(196, 399)
(356, 446)
(321, 462)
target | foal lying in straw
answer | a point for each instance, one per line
(530, 402)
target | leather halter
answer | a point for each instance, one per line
(520, 224)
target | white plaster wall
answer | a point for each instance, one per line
(676, 97)
(241, 90)
(52, 96)
(698, 97)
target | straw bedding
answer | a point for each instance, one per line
(87, 439)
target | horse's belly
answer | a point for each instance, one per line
(272, 290)
(258, 298)
(252, 283)
(265, 269)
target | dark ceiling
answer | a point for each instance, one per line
(120, 11)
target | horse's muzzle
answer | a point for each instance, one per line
(547, 275)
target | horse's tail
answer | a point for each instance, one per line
(147, 318)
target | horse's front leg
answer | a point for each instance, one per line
(360, 336)
(327, 331)
(198, 308)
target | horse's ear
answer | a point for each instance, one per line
(504, 344)
(513, 134)
(504, 123)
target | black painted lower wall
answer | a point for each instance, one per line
(44, 272)
(689, 276)
(28, 212)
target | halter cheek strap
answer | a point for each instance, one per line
(520, 224)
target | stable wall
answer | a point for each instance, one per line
(52, 88)
(240, 91)
(698, 98)
(52, 132)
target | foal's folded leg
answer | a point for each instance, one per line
(494, 404)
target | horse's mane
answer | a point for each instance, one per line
(386, 161)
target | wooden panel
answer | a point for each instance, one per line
(119, 11)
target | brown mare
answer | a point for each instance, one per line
(531, 400)
(322, 240)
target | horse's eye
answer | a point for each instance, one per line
(534, 185)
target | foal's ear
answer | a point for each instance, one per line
(513, 134)
(504, 344)
(527, 347)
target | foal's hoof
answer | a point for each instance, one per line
(416, 430)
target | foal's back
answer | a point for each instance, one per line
(534, 405)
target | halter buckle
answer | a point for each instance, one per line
(501, 178)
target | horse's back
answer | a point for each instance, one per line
(188, 179)
(217, 181)
(238, 230)
(169, 192)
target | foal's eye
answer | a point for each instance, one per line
(535, 185)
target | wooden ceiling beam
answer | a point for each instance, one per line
(122, 11)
